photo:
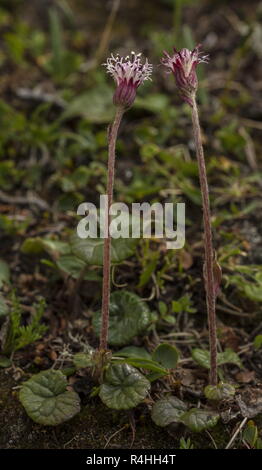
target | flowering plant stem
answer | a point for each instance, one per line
(209, 254)
(112, 137)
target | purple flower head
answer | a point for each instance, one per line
(128, 73)
(183, 65)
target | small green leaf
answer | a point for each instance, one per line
(168, 410)
(71, 265)
(46, 399)
(250, 434)
(4, 273)
(147, 364)
(3, 306)
(202, 357)
(258, 342)
(124, 387)
(167, 355)
(90, 250)
(129, 317)
(37, 245)
(5, 361)
(133, 351)
(82, 360)
(258, 444)
(74, 266)
(219, 392)
(170, 319)
(198, 420)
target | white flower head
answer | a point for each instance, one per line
(129, 69)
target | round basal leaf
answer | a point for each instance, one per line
(166, 355)
(129, 317)
(46, 399)
(82, 360)
(220, 391)
(198, 420)
(5, 361)
(168, 410)
(202, 357)
(133, 351)
(4, 273)
(124, 387)
(90, 250)
(3, 306)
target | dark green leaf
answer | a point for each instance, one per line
(5, 361)
(147, 364)
(258, 342)
(37, 245)
(124, 387)
(168, 410)
(202, 357)
(129, 317)
(250, 434)
(46, 399)
(133, 351)
(82, 360)
(198, 420)
(90, 250)
(220, 391)
(167, 355)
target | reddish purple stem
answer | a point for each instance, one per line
(209, 254)
(112, 137)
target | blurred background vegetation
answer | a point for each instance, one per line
(55, 106)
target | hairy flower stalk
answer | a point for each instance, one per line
(183, 65)
(129, 73)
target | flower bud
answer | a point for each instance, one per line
(129, 74)
(183, 65)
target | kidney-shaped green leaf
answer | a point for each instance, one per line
(46, 399)
(129, 317)
(168, 410)
(124, 387)
(198, 420)
(167, 355)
